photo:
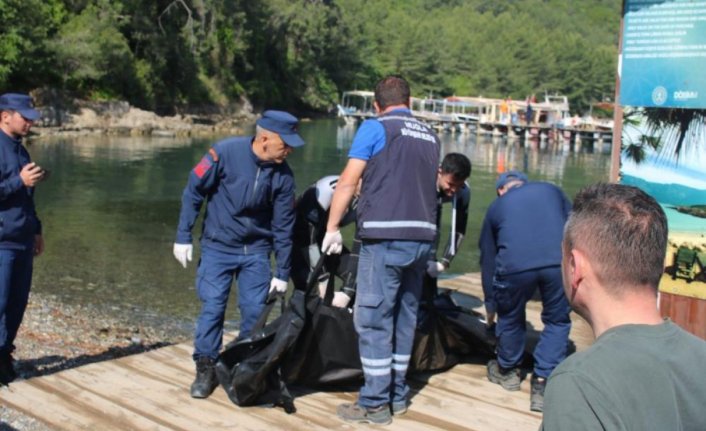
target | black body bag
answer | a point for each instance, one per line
(249, 369)
(326, 353)
(446, 334)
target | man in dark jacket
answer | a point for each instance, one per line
(249, 189)
(20, 229)
(520, 252)
(451, 188)
(312, 211)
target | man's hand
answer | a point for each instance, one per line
(31, 174)
(340, 300)
(183, 253)
(323, 285)
(332, 243)
(435, 268)
(277, 285)
(490, 319)
(38, 245)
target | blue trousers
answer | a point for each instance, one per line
(15, 281)
(511, 294)
(214, 278)
(390, 275)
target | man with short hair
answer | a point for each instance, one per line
(397, 157)
(520, 252)
(452, 187)
(20, 229)
(642, 372)
(249, 189)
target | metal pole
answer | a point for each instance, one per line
(452, 245)
(617, 110)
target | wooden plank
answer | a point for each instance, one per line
(150, 391)
(687, 312)
(67, 410)
(453, 408)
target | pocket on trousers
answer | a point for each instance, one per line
(398, 257)
(367, 311)
(502, 295)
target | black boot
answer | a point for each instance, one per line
(206, 381)
(537, 393)
(7, 371)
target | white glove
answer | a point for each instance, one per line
(183, 252)
(277, 285)
(332, 243)
(435, 268)
(340, 300)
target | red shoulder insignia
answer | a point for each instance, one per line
(203, 166)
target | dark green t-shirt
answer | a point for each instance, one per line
(634, 377)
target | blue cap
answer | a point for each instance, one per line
(21, 103)
(508, 176)
(284, 124)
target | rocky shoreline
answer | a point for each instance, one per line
(55, 336)
(81, 117)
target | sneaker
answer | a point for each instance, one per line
(398, 408)
(206, 381)
(508, 379)
(537, 393)
(7, 371)
(357, 414)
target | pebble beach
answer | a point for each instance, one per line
(55, 336)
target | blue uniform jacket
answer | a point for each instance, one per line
(250, 206)
(522, 230)
(18, 219)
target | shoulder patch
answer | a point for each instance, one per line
(213, 154)
(202, 167)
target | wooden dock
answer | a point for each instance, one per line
(150, 391)
(550, 119)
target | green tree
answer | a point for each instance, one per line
(93, 54)
(172, 55)
(25, 61)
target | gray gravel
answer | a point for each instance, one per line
(55, 336)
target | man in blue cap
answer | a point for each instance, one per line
(249, 192)
(21, 230)
(520, 252)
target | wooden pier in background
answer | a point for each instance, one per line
(150, 391)
(550, 119)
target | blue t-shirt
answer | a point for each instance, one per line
(369, 139)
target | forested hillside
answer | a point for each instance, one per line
(170, 56)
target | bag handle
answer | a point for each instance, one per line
(312, 281)
(269, 305)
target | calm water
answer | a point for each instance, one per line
(111, 205)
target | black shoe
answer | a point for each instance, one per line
(7, 371)
(509, 379)
(537, 393)
(206, 381)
